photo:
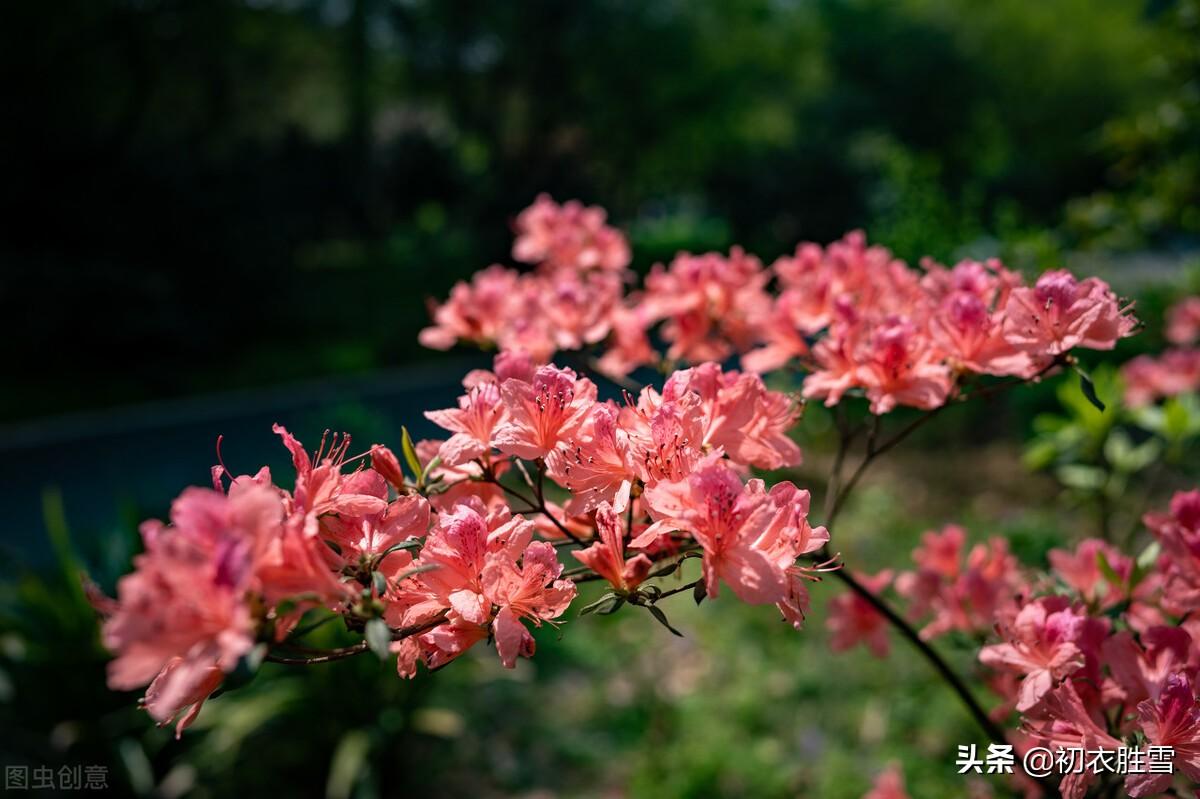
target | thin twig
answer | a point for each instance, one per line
(534, 506)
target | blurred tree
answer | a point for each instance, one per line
(207, 193)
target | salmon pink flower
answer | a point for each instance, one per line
(1080, 569)
(1148, 379)
(713, 304)
(185, 609)
(596, 465)
(530, 590)
(901, 367)
(1179, 534)
(749, 536)
(476, 312)
(455, 484)
(1140, 667)
(666, 438)
(543, 413)
(578, 308)
(889, 784)
(1045, 644)
(568, 237)
(965, 594)
(1065, 722)
(972, 338)
(1183, 321)
(1170, 720)
(607, 558)
(739, 415)
(1060, 313)
(629, 345)
(322, 488)
(363, 538)
(782, 335)
(473, 423)
(456, 550)
(179, 691)
(851, 619)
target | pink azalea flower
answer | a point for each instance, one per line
(1148, 379)
(1060, 313)
(1172, 719)
(713, 304)
(361, 538)
(1065, 722)
(739, 415)
(972, 338)
(836, 369)
(851, 619)
(579, 308)
(629, 345)
(477, 311)
(749, 537)
(1183, 321)
(889, 784)
(607, 558)
(473, 423)
(186, 608)
(595, 465)
(322, 488)
(179, 691)
(782, 334)
(990, 281)
(1043, 644)
(457, 550)
(901, 367)
(960, 594)
(568, 237)
(809, 287)
(530, 590)
(1179, 534)
(665, 437)
(1140, 668)
(1080, 569)
(543, 413)
(457, 483)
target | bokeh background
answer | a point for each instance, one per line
(216, 214)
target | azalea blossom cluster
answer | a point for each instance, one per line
(853, 316)
(460, 550)
(1100, 653)
(539, 484)
(1175, 371)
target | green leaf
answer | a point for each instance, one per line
(380, 582)
(379, 638)
(1040, 454)
(616, 605)
(1089, 390)
(592, 607)
(412, 543)
(1149, 555)
(429, 467)
(1110, 574)
(1084, 478)
(348, 764)
(410, 454)
(657, 613)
